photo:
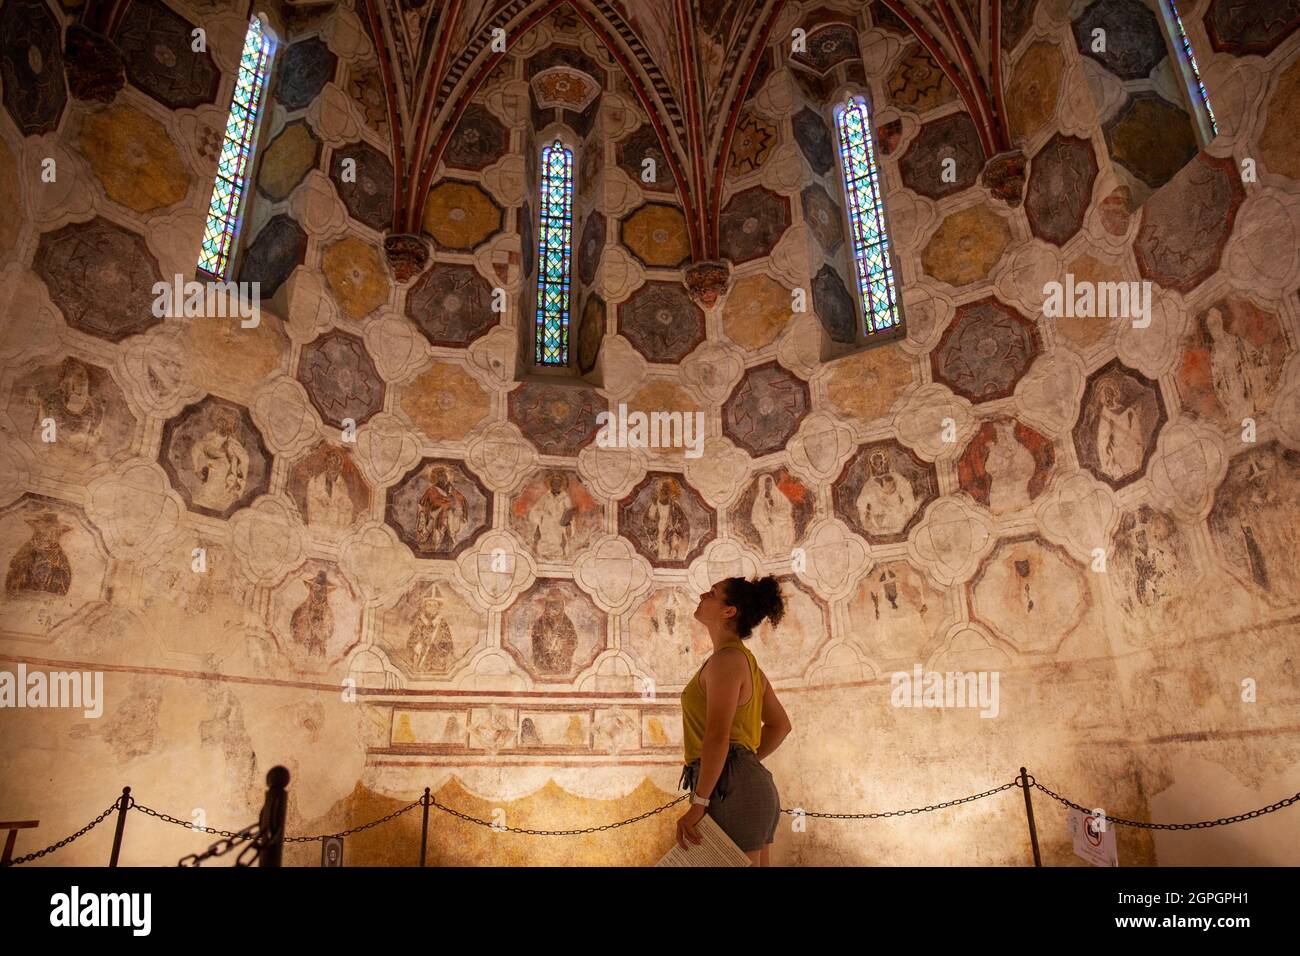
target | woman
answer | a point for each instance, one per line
(731, 719)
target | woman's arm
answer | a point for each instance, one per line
(726, 674)
(776, 724)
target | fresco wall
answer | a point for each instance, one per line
(512, 602)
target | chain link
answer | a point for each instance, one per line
(902, 813)
(604, 826)
(1222, 821)
(62, 843)
(301, 839)
(166, 818)
(221, 847)
(364, 826)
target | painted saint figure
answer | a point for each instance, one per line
(40, 564)
(429, 642)
(1151, 566)
(78, 415)
(886, 502)
(1262, 499)
(220, 463)
(312, 623)
(1239, 369)
(550, 520)
(443, 511)
(328, 502)
(773, 517)
(670, 623)
(1120, 446)
(554, 637)
(1010, 466)
(666, 523)
(164, 369)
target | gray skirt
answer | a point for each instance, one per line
(744, 802)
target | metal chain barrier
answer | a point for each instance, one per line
(301, 839)
(901, 813)
(221, 847)
(62, 843)
(604, 826)
(364, 826)
(166, 818)
(1222, 821)
(234, 838)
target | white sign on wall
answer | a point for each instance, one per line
(1094, 838)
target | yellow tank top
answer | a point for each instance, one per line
(746, 726)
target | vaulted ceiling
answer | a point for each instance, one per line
(689, 62)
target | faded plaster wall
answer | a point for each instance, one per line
(502, 658)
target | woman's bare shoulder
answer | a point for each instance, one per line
(720, 661)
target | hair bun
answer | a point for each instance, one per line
(770, 602)
(755, 601)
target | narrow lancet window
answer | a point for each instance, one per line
(866, 211)
(234, 166)
(555, 243)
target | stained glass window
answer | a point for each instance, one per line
(235, 162)
(867, 219)
(1189, 59)
(554, 243)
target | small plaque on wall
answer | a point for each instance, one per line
(331, 851)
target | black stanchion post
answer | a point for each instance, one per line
(424, 827)
(271, 821)
(1023, 780)
(123, 804)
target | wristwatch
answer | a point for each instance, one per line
(698, 800)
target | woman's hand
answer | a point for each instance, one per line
(686, 825)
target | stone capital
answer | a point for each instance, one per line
(407, 255)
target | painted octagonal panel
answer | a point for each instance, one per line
(31, 65)
(329, 490)
(1134, 42)
(985, 350)
(101, 277)
(883, 491)
(478, 142)
(431, 629)
(666, 520)
(661, 321)
(303, 70)
(460, 215)
(341, 379)
(1119, 423)
(272, 256)
(157, 47)
(950, 137)
(215, 457)
(555, 515)
(558, 419)
(656, 234)
(1151, 138)
(1186, 223)
(554, 630)
(751, 224)
(633, 152)
(1257, 27)
(367, 191)
(439, 508)
(1060, 188)
(764, 410)
(452, 305)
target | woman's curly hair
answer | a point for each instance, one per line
(754, 601)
